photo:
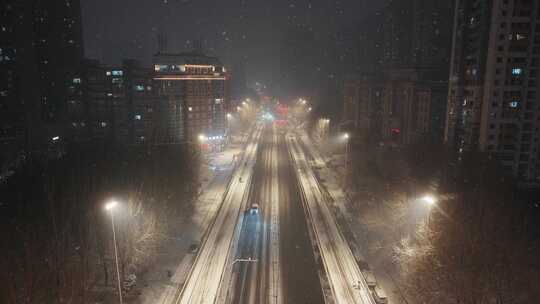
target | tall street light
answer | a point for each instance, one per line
(347, 137)
(202, 139)
(430, 201)
(110, 206)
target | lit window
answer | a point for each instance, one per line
(517, 71)
(138, 117)
(103, 124)
(108, 73)
(117, 73)
(76, 80)
(160, 67)
(514, 104)
(139, 88)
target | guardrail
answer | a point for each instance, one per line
(234, 178)
(308, 209)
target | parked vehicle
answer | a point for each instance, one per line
(370, 279)
(379, 295)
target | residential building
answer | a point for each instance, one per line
(115, 105)
(400, 86)
(493, 91)
(41, 47)
(395, 109)
(194, 87)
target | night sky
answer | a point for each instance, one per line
(244, 31)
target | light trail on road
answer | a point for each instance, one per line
(272, 257)
(205, 278)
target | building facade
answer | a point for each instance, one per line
(40, 49)
(493, 90)
(115, 105)
(399, 92)
(396, 111)
(194, 87)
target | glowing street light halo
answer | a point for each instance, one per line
(109, 206)
(429, 200)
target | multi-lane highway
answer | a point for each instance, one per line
(275, 262)
(342, 271)
(211, 265)
(287, 249)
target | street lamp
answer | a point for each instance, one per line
(229, 115)
(429, 200)
(326, 126)
(110, 206)
(347, 137)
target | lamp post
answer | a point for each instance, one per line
(110, 207)
(429, 200)
(347, 137)
(202, 140)
(326, 126)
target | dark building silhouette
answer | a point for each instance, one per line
(40, 50)
(404, 46)
(115, 105)
(493, 89)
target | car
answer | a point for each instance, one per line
(379, 295)
(370, 278)
(193, 248)
(253, 209)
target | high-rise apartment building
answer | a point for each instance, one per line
(493, 90)
(415, 34)
(396, 109)
(115, 105)
(402, 89)
(194, 88)
(40, 48)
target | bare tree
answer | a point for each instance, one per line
(477, 246)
